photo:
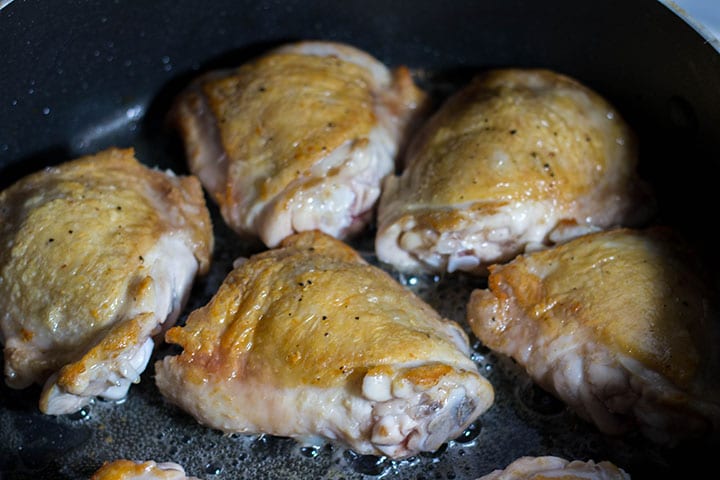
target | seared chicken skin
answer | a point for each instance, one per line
(298, 139)
(616, 324)
(516, 160)
(545, 468)
(97, 255)
(309, 341)
(130, 470)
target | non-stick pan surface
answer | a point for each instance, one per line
(79, 76)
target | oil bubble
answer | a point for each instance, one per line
(213, 469)
(470, 433)
(82, 414)
(309, 452)
(412, 281)
(134, 112)
(366, 464)
(477, 357)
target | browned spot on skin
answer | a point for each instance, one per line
(294, 357)
(122, 469)
(143, 285)
(72, 376)
(27, 335)
(70, 373)
(380, 370)
(427, 375)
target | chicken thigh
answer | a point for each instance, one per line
(309, 341)
(545, 468)
(97, 255)
(617, 324)
(516, 160)
(298, 139)
(130, 470)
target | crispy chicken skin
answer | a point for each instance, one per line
(309, 341)
(97, 255)
(297, 139)
(516, 160)
(546, 468)
(619, 325)
(131, 470)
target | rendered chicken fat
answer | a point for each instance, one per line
(308, 341)
(297, 139)
(516, 160)
(97, 256)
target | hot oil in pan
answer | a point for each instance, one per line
(523, 420)
(145, 427)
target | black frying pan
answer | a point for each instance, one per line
(79, 76)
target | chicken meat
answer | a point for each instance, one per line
(97, 256)
(149, 470)
(297, 139)
(517, 160)
(548, 467)
(309, 341)
(619, 325)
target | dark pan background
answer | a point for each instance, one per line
(79, 76)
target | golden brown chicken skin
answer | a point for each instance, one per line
(130, 470)
(515, 160)
(97, 255)
(309, 341)
(297, 139)
(619, 325)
